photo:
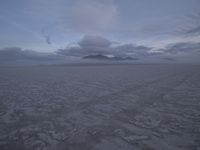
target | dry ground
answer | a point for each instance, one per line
(114, 107)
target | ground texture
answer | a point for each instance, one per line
(114, 107)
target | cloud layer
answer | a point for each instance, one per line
(183, 47)
(94, 45)
(90, 45)
(99, 46)
(15, 55)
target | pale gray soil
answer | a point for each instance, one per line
(114, 107)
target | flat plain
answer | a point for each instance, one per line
(100, 107)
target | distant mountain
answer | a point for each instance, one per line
(104, 57)
(97, 56)
(169, 59)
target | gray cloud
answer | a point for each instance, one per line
(11, 53)
(184, 47)
(90, 45)
(94, 41)
(185, 52)
(133, 50)
(15, 54)
(99, 46)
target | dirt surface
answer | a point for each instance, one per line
(114, 107)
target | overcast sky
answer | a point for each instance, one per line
(51, 25)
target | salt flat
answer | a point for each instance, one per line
(108, 107)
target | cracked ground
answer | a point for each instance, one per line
(94, 107)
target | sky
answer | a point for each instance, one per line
(111, 27)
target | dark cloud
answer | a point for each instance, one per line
(184, 47)
(11, 53)
(185, 52)
(91, 45)
(94, 41)
(102, 49)
(133, 50)
(88, 45)
(14, 54)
